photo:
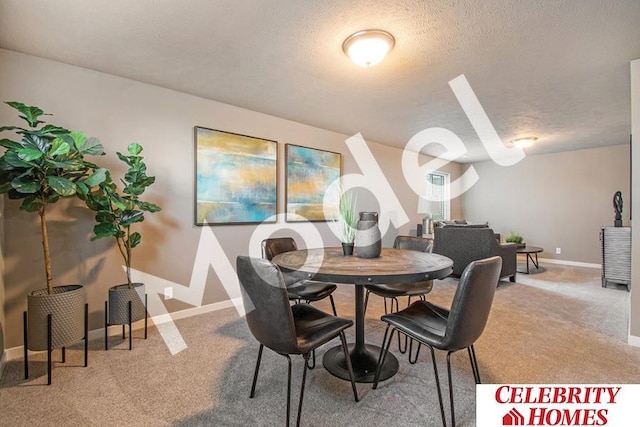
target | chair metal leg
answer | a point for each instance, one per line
(435, 372)
(474, 364)
(453, 414)
(313, 357)
(415, 358)
(347, 358)
(304, 379)
(384, 349)
(255, 373)
(289, 388)
(333, 305)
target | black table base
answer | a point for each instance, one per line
(364, 363)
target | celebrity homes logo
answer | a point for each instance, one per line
(557, 405)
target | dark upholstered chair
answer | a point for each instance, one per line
(285, 329)
(449, 330)
(394, 290)
(466, 244)
(299, 290)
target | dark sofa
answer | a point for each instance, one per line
(466, 244)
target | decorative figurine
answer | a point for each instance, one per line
(617, 206)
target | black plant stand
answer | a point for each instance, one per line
(107, 324)
(49, 344)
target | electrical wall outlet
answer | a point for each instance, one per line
(168, 293)
(558, 250)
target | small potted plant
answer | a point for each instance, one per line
(116, 212)
(44, 166)
(516, 238)
(347, 221)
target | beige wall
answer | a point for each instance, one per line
(119, 112)
(634, 322)
(554, 200)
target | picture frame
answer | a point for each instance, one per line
(236, 178)
(309, 175)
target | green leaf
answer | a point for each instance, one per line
(11, 158)
(5, 186)
(98, 177)
(7, 143)
(36, 142)
(105, 217)
(149, 207)
(82, 188)
(134, 239)
(59, 147)
(119, 202)
(31, 204)
(134, 149)
(29, 113)
(129, 217)
(54, 130)
(26, 185)
(62, 186)
(15, 195)
(18, 128)
(65, 164)
(79, 139)
(105, 230)
(92, 147)
(28, 154)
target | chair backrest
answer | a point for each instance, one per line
(472, 303)
(277, 245)
(266, 304)
(413, 243)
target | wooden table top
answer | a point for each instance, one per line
(392, 266)
(529, 250)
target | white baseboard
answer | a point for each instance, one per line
(16, 353)
(570, 263)
(634, 341)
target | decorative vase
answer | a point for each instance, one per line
(66, 305)
(119, 297)
(347, 249)
(368, 243)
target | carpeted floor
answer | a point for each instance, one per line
(556, 326)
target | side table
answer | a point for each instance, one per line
(531, 253)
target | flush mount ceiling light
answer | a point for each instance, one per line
(368, 47)
(524, 142)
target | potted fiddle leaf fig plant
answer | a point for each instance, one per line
(45, 165)
(347, 221)
(117, 211)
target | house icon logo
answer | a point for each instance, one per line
(513, 418)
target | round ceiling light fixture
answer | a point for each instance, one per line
(368, 47)
(524, 142)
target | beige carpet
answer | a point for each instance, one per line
(556, 326)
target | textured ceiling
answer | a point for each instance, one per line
(557, 69)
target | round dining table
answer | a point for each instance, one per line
(392, 266)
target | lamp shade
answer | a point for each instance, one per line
(427, 206)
